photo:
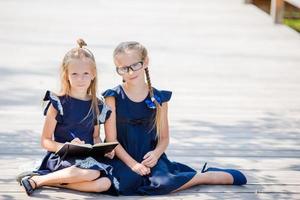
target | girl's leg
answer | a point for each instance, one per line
(68, 175)
(99, 185)
(208, 178)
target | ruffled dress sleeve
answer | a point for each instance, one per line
(164, 95)
(109, 93)
(160, 96)
(104, 111)
(53, 99)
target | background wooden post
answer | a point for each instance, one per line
(277, 10)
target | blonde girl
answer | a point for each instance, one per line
(73, 116)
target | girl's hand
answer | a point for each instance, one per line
(141, 169)
(77, 141)
(150, 159)
(110, 155)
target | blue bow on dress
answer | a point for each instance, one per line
(150, 102)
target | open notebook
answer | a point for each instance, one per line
(96, 150)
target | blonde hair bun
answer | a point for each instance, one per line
(81, 43)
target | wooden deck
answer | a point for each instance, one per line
(235, 78)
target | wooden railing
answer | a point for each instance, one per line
(277, 8)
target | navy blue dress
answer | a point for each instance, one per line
(135, 132)
(74, 116)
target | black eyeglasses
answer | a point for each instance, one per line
(133, 67)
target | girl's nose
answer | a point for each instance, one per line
(84, 77)
(81, 77)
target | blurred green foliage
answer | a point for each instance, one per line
(293, 23)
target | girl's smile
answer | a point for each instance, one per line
(132, 78)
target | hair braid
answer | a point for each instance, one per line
(157, 121)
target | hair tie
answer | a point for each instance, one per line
(150, 102)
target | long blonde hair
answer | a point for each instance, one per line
(126, 47)
(80, 52)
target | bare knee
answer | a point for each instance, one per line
(101, 184)
(86, 174)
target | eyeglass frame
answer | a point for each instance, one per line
(130, 67)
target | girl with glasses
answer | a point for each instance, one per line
(139, 122)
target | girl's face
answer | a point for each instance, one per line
(80, 74)
(131, 67)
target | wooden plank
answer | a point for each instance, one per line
(253, 177)
(251, 188)
(179, 196)
(295, 3)
(52, 193)
(199, 152)
(266, 143)
(13, 165)
(206, 129)
(191, 137)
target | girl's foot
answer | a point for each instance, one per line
(24, 174)
(28, 184)
(238, 177)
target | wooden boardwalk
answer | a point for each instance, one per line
(235, 78)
